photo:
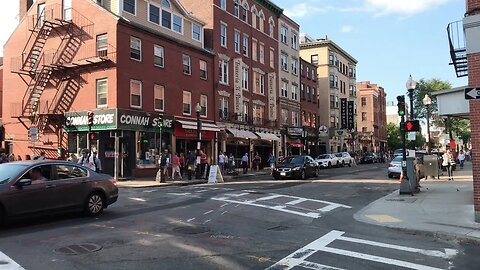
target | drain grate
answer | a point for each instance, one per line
(79, 249)
(191, 229)
(278, 228)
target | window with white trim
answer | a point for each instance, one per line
(262, 54)
(245, 14)
(158, 56)
(283, 34)
(223, 35)
(129, 6)
(284, 117)
(166, 19)
(135, 49)
(102, 92)
(245, 45)
(196, 32)
(187, 103)
(158, 97)
(271, 29)
(223, 4)
(203, 105)
(295, 119)
(284, 61)
(259, 83)
(177, 23)
(223, 107)
(236, 9)
(154, 13)
(314, 59)
(284, 90)
(223, 72)
(294, 41)
(245, 111)
(294, 92)
(135, 94)
(236, 41)
(272, 58)
(244, 78)
(102, 45)
(203, 69)
(186, 65)
(294, 66)
(254, 50)
(254, 20)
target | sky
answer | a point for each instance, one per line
(391, 39)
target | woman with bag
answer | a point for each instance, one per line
(448, 162)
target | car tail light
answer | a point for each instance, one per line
(113, 181)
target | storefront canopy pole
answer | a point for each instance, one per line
(117, 153)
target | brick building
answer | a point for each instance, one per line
(372, 117)
(310, 106)
(2, 130)
(242, 34)
(130, 62)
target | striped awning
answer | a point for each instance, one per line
(193, 125)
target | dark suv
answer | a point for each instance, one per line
(296, 167)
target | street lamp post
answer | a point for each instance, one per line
(304, 137)
(411, 85)
(198, 109)
(427, 101)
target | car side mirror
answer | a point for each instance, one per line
(24, 182)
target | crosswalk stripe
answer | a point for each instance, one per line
(6, 263)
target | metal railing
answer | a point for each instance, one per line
(457, 44)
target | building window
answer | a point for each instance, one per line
(158, 53)
(101, 92)
(364, 101)
(294, 92)
(314, 94)
(223, 4)
(332, 102)
(196, 32)
(302, 90)
(223, 72)
(314, 120)
(294, 41)
(177, 24)
(332, 80)
(203, 105)
(129, 6)
(223, 35)
(294, 66)
(254, 50)
(166, 19)
(284, 61)
(312, 74)
(186, 65)
(258, 112)
(259, 83)
(236, 41)
(159, 97)
(364, 129)
(236, 9)
(336, 81)
(154, 14)
(245, 111)
(245, 14)
(102, 45)
(245, 45)
(364, 116)
(135, 94)
(271, 29)
(254, 20)
(284, 89)
(284, 117)
(308, 93)
(283, 34)
(314, 59)
(295, 119)
(272, 58)
(244, 78)
(203, 69)
(331, 60)
(135, 49)
(262, 54)
(224, 107)
(187, 103)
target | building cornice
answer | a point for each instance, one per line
(327, 43)
(271, 6)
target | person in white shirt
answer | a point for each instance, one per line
(221, 161)
(86, 160)
(461, 158)
(98, 163)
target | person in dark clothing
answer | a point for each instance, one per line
(190, 162)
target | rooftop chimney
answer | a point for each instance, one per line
(24, 7)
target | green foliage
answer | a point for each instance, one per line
(394, 137)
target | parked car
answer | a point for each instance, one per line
(348, 159)
(296, 167)
(395, 167)
(38, 187)
(341, 160)
(327, 161)
(368, 158)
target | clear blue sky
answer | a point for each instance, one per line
(391, 39)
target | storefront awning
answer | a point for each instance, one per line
(238, 133)
(193, 125)
(267, 136)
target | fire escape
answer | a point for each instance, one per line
(57, 57)
(458, 51)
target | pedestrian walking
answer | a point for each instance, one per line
(165, 163)
(11, 158)
(231, 164)
(19, 158)
(257, 160)
(203, 163)
(42, 156)
(3, 158)
(191, 159)
(97, 162)
(182, 164)
(176, 167)
(447, 163)
(271, 162)
(461, 158)
(221, 161)
(245, 163)
(86, 160)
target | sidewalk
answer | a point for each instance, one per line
(150, 182)
(442, 206)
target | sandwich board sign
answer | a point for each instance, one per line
(215, 175)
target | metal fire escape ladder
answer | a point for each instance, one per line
(41, 33)
(458, 51)
(34, 91)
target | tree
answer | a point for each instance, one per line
(394, 137)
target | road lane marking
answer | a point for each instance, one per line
(297, 201)
(190, 220)
(138, 199)
(208, 212)
(384, 218)
(179, 194)
(298, 258)
(224, 212)
(225, 204)
(6, 263)
(330, 207)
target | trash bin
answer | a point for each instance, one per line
(430, 163)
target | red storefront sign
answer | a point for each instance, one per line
(192, 133)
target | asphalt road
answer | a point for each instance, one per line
(248, 225)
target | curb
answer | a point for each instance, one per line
(159, 185)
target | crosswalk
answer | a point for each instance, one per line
(6, 263)
(307, 256)
(305, 207)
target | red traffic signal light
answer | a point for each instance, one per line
(90, 118)
(92, 136)
(413, 125)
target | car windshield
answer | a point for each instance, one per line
(397, 159)
(323, 157)
(8, 171)
(338, 155)
(293, 160)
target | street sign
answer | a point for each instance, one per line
(472, 93)
(33, 132)
(411, 136)
(340, 132)
(413, 125)
(323, 130)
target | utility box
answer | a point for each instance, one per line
(409, 186)
(430, 163)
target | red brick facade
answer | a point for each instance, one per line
(309, 104)
(473, 7)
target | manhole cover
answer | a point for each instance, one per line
(191, 229)
(278, 228)
(79, 249)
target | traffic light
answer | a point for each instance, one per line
(401, 105)
(90, 115)
(92, 136)
(160, 121)
(413, 125)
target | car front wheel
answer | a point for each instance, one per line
(329, 165)
(95, 204)
(350, 164)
